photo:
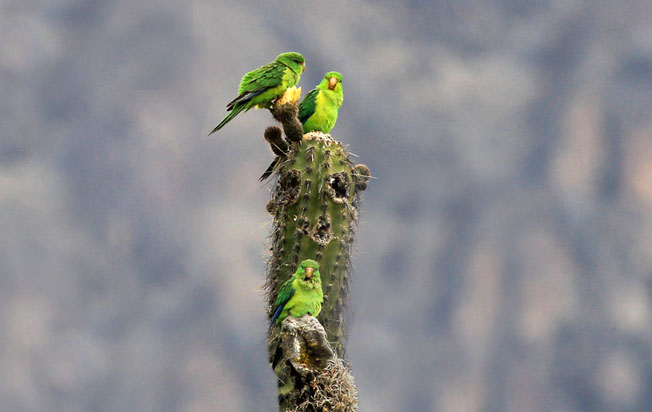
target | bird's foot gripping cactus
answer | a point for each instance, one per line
(315, 208)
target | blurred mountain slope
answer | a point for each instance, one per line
(503, 260)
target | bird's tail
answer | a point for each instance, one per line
(277, 313)
(236, 110)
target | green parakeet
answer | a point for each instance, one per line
(262, 86)
(318, 110)
(301, 294)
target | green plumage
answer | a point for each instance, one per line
(260, 87)
(301, 294)
(318, 110)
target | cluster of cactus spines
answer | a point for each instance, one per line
(314, 204)
(303, 347)
(333, 389)
(313, 377)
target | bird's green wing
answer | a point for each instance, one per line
(269, 75)
(258, 81)
(284, 295)
(286, 292)
(307, 106)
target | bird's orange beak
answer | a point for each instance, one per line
(332, 82)
(309, 272)
(304, 66)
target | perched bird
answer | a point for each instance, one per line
(262, 86)
(301, 294)
(318, 110)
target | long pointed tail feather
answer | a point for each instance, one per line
(236, 110)
(277, 313)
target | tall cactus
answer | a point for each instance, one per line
(315, 208)
(314, 205)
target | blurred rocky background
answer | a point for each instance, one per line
(504, 253)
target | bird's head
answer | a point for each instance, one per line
(293, 60)
(308, 269)
(333, 80)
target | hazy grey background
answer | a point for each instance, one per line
(504, 254)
